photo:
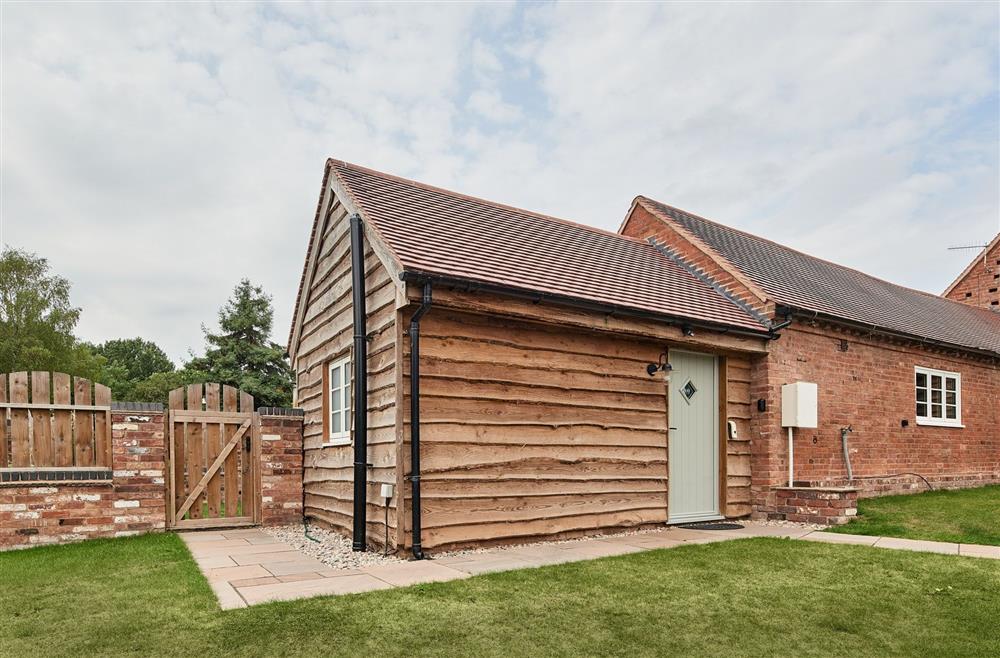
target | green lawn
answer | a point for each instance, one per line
(144, 596)
(967, 516)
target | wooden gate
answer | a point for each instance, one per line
(214, 464)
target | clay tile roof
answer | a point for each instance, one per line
(797, 280)
(432, 231)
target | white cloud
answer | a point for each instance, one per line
(158, 152)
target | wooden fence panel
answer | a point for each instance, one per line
(3, 422)
(41, 420)
(59, 427)
(84, 424)
(20, 447)
(102, 424)
(62, 420)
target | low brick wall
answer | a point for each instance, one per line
(911, 484)
(281, 466)
(126, 500)
(52, 506)
(825, 505)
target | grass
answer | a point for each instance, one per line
(966, 516)
(145, 596)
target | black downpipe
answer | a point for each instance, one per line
(360, 384)
(418, 551)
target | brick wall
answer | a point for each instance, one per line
(281, 468)
(981, 284)
(129, 498)
(870, 386)
(642, 224)
(829, 506)
(129, 502)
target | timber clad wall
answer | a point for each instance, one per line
(532, 429)
(736, 496)
(327, 334)
(871, 387)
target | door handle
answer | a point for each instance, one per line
(672, 428)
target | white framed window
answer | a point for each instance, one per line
(939, 397)
(339, 402)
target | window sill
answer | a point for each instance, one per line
(332, 443)
(937, 423)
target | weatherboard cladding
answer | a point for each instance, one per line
(438, 232)
(804, 282)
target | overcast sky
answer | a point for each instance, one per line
(157, 153)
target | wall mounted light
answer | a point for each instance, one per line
(687, 330)
(660, 365)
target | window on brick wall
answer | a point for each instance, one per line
(939, 397)
(338, 392)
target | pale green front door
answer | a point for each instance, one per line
(694, 438)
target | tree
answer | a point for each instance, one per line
(129, 362)
(242, 353)
(37, 319)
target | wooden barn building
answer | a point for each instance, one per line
(527, 377)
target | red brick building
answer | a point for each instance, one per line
(979, 283)
(915, 377)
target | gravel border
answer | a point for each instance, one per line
(336, 550)
(333, 548)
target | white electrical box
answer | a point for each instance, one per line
(799, 405)
(386, 491)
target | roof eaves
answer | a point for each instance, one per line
(474, 285)
(787, 310)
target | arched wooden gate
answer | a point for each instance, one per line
(214, 458)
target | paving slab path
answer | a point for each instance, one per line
(249, 566)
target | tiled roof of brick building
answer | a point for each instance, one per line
(803, 282)
(432, 231)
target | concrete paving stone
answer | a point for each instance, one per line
(236, 573)
(598, 548)
(978, 550)
(492, 564)
(217, 546)
(946, 548)
(321, 587)
(298, 577)
(240, 549)
(287, 555)
(683, 534)
(227, 595)
(653, 542)
(336, 573)
(835, 538)
(304, 565)
(198, 537)
(266, 539)
(215, 562)
(248, 582)
(411, 573)
(244, 532)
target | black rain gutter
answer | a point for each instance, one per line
(417, 549)
(360, 384)
(470, 285)
(787, 311)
